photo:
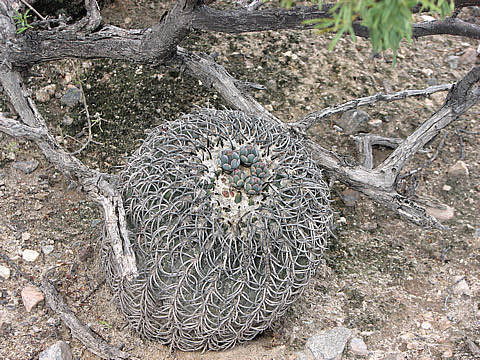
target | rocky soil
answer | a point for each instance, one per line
(402, 292)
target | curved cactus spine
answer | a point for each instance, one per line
(248, 155)
(237, 179)
(228, 159)
(253, 185)
(259, 169)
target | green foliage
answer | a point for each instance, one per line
(388, 21)
(21, 21)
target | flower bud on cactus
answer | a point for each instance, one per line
(237, 179)
(248, 155)
(228, 159)
(253, 185)
(259, 169)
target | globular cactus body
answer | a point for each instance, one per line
(216, 270)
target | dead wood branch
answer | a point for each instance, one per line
(310, 120)
(461, 97)
(86, 336)
(365, 143)
(156, 45)
(214, 75)
(95, 184)
(241, 21)
(429, 161)
(55, 301)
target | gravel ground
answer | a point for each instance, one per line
(409, 293)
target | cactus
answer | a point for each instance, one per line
(248, 155)
(217, 264)
(228, 159)
(237, 178)
(259, 169)
(253, 185)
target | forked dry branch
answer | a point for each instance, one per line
(159, 45)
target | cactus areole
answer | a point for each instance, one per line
(223, 246)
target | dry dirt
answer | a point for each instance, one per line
(388, 281)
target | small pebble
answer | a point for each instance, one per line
(67, 120)
(4, 272)
(461, 287)
(26, 166)
(446, 187)
(458, 169)
(31, 297)
(30, 255)
(47, 249)
(58, 351)
(426, 325)
(350, 197)
(358, 347)
(375, 123)
(446, 213)
(447, 354)
(72, 96)
(468, 57)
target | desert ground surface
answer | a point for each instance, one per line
(409, 293)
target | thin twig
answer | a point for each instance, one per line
(429, 161)
(450, 290)
(89, 123)
(458, 132)
(33, 9)
(19, 271)
(313, 118)
(95, 289)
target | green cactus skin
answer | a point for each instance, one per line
(228, 159)
(248, 155)
(259, 169)
(253, 185)
(237, 179)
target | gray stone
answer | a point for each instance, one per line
(301, 355)
(272, 84)
(453, 61)
(350, 197)
(358, 347)
(67, 120)
(329, 344)
(394, 357)
(444, 213)
(353, 121)
(59, 351)
(96, 222)
(47, 249)
(71, 97)
(26, 166)
(476, 235)
(458, 169)
(4, 272)
(44, 94)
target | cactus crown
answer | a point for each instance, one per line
(228, 214)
